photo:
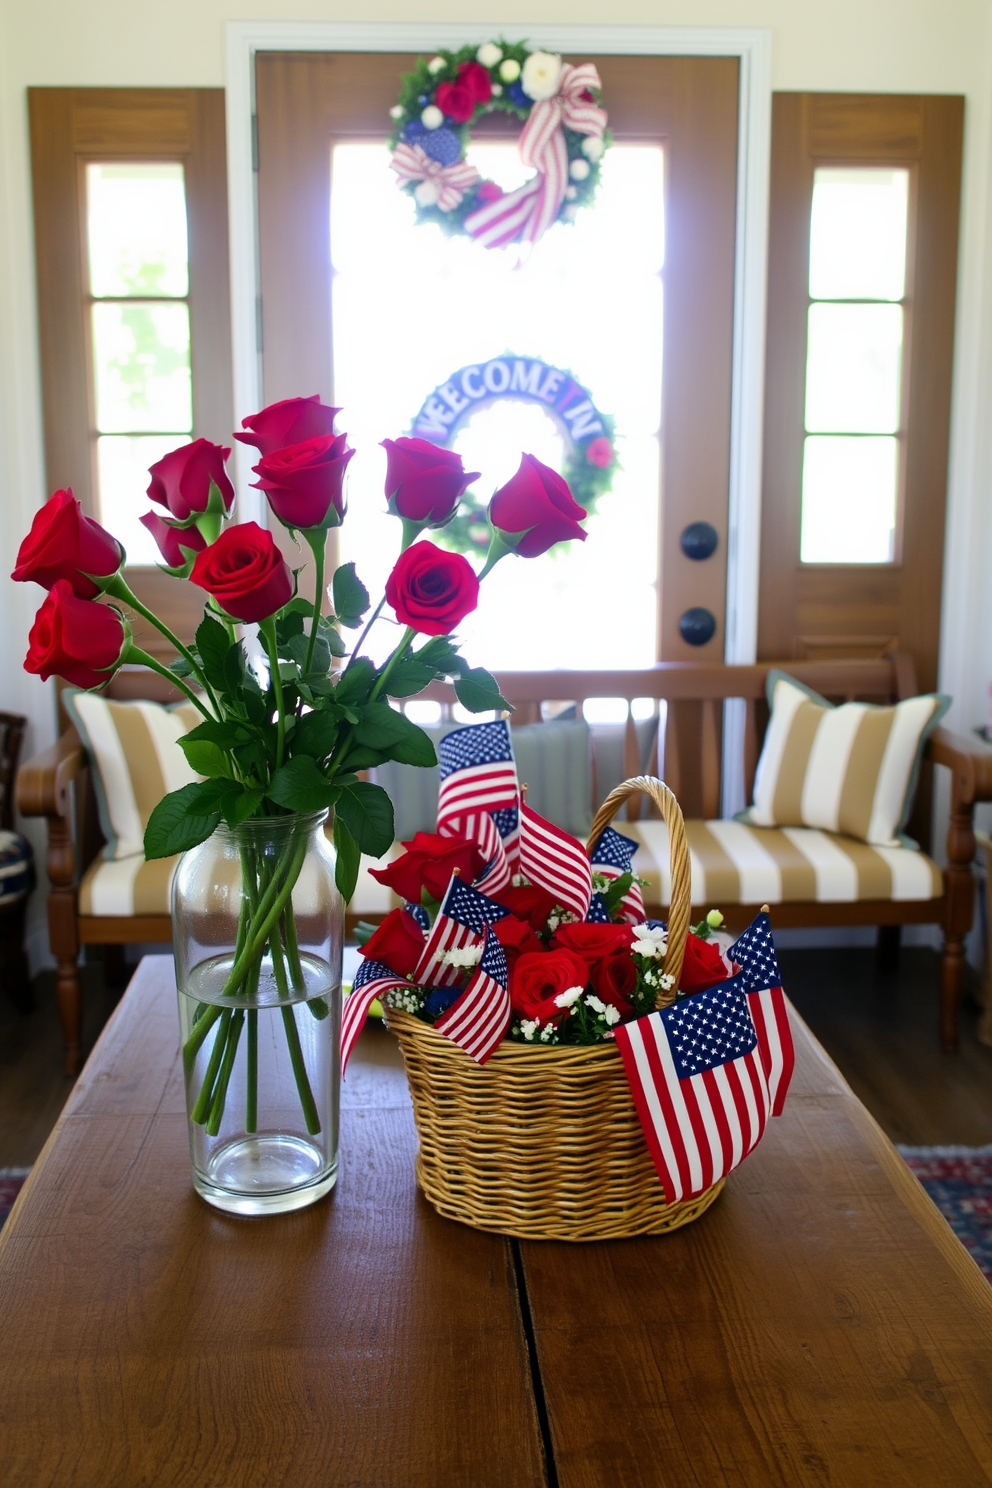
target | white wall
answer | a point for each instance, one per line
(912, 46)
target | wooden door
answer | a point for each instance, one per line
(307, 101)
(821, 610)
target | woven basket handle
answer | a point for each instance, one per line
(679, 910)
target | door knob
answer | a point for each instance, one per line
(697, 626)
(699, 540)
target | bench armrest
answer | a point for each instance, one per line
(43, 782)
(970, 764)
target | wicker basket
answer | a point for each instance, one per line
(545, 1143)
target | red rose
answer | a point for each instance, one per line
(424, 483)
(65, 544)
(594, 942)
(474, 77)
(428, 863)
(599, 452)
(398, 943)
(305, 482)
(538, 978)
(245, 572)
(76, 639)
(614, 979)
(517, 939)
(289, 422)
(488, 192)
(528, 903)
(181, 480)
(456, 100)
(537, 504)
(430, 590)
(171, 540)
(703, 966)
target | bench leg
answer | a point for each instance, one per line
(70, 1014)
(951, 978)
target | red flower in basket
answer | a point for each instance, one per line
(594, 942)
(288, 422)
(538, 981)
(528, 903)
(517, 939)
(614, 979)
(428, 863)
(398, 942)
(703, 966)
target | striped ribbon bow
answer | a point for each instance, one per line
(526, 214)
(411, 163)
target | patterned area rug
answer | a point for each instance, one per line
(959, 1180)
(10, 1186)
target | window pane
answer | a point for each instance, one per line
(853, 361)
(137, 229)
(142, 367)
(849, 500)
(122, 472)
(858, 234)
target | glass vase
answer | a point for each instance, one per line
(258, 927)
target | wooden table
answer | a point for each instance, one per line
(821, 1325)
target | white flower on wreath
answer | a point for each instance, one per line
(497, 90)
(397, 111)
(436, 64)
(489, 54)
(509, 70)
(541, 75)
(592, 147)
(579, 170)
(432, 117)
(426, 194)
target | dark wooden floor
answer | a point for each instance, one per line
(880, 1029)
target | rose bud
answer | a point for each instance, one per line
(533, 511)
(65, 544)
(399, 943)
(304, 482)
(184, 481)
(703, 966)
(538, 979)
(178, 545)
(428, 863)
(245, 573)
(289, 422)
(424, 483)
(430, 590)
(76, 639)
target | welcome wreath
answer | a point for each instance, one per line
(563, 137)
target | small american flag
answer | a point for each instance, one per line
(613, 856)
(478, 777)
(481, 1016)
(698, 1081)
(754, 953)
(598, 912)
(374, 980)
(553, 860)
(461, 922)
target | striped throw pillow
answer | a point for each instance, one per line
(850, 769)
(134, 748)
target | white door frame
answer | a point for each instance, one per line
(753, 48)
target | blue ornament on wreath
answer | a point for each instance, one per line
(516, 95)
(442, 145)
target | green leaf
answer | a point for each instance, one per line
(288, 626)
(204, 757)
(315, 734)
(362, 757)
(235, 667)
(386, 729)
(367, 812)
(213, 643)
(417, 748)
(614, 894)
(439, 652)
(477, 691)
(213, 731)
(351, 598)
(240, 808)
(349, 860)
(329, 633)
(297, 646)
(301, 786)
(180, 667)
(181, 820)
(356, 682)
(409, 677)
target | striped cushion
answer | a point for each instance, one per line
(138, 761)
(734, 863)
(16, 867)
(127, 886)
(851, 769)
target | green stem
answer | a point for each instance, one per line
(201, 1028)
(267, 630)
(251, 1099)
(224, 1078)
(300, 1071)
(361, 639)
(270, 912)
(318, 546)
(119, 590)
(135, 653)
(383, 676)
(201, 1110)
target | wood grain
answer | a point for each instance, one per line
(820, 1325)
(150, 1339)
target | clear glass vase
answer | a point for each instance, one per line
(258, 927)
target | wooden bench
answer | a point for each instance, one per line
(56, 785)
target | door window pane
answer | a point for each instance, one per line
(853, 360)
(857, 247)
(122, 474)
(410, 306)
(849, 500)
(141, 353)
(136, 224)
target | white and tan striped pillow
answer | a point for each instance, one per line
(850, 769)
(134, 747)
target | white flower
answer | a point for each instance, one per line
(426, 194)
(594, 1002)
(463, 956)
(542, 75)
(570, 193)
(547, 1033)
(553, 922)
(714, 919)
(528, 1027)
(579, 170)
(517, 880)
(650, 978)
(432, 117)
(509, 70)
(397, 111)
(650, 948)
(497, 90)
(489, 54)
(612, 1016)
(436, 64)
(566, 999)
(667, 981)
(592, 147)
